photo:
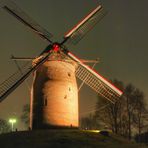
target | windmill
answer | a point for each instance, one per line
(54, 95)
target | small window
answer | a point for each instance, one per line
(69, 89)
(65, 97)
(45, 102)
(69, 74)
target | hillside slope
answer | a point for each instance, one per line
(63, 139)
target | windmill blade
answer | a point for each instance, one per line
(84, 26)
(96, 81)
(17, 78)
(15, 11)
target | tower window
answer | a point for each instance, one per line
(69, 74)
(69, 89)
(45, 102)
(65, 97)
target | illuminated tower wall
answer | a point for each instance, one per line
(54, 97)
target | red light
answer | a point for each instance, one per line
(56, 47)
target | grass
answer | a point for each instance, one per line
(63, 139)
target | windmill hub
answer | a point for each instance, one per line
(56, 47)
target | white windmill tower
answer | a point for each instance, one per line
(54, 101)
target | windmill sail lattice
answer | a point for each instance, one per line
(96, 81)
(17, 78)
(84, 26)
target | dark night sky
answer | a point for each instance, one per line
(119, 40)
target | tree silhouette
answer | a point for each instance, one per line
(4, 126)
(126, 114)
(25, 115)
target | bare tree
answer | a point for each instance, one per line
(25, 114)
(126, 114)
(111, 114)
(89, 122)
(140, 111)
(129, 95)
(136, 106)
(4, 126)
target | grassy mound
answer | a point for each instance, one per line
(63, 139)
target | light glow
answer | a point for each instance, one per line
(93, 131)
(12, 121)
